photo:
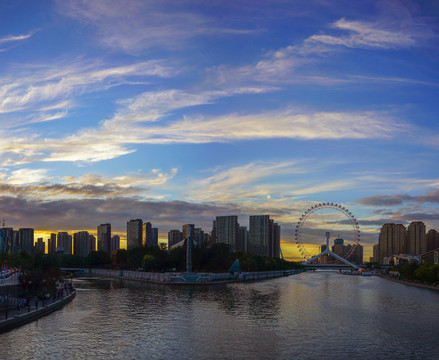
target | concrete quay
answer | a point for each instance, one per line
(191, 278)
(14, 318)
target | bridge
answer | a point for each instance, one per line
(74, 269)
(329, 267)
(347, 264)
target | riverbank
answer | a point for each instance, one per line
(14, 318)
(411, 283)
(192, 278)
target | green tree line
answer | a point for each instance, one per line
(419, 272)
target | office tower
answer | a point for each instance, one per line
(259, 234)
(432, 240)
(69, 245)
(376, 253)
(155, 236)
(16, 242)
(206, 239)
(174, 237)
(186, 228)
(6, 240)
(386, 242)
(227, 230)
(198, 236)
(104, 237)
(147, 234)
(92, 243)
(26, 239)
(399, 239)
(213, 233)
(416, 238)
(134, 233)
(115, 243)
(392, 241)
(242, 239)
(52, 244)
(64, 243)
(81, 242)
(40, 246)
(274, 240)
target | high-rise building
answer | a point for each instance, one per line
(392, 241)
(16, 242)
(432, 240)
(40, 246)
(416, 238)
(92, 243)
(186, 229)
(198, 236)
(242, 239)
(115, 243)
(155, 236)
(81, 243)
(274, 240)
(6, 240)
(386, 242)
(26, 239)
(147, 234)
(52, 244)
(227, 230)
(64, 243)
(134, 233)
(104, 237)
(174, 237)
(259, 234)
(376, 253)
(213, 233)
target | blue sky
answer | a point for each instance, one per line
(178, 111)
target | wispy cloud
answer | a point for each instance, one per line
(139, 25)
(14, 38)
(48, 87)
(364, 34)
(36, 184)
(399, 199)
(144, 120)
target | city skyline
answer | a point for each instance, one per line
(178, 112)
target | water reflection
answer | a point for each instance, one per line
(312, 315)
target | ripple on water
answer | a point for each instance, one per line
(311, 315)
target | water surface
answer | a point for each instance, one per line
(309, 316)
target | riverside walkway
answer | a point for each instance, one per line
(14, 315)
(192, 278)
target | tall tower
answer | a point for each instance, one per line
(416, 238)
(386, 242)
(227, 228)
(134, 233)
(26, 239)
(259, 234)
(189, 250)
(104, 237)
(147, 234)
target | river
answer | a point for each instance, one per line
(319, 315)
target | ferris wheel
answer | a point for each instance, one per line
(323, 224)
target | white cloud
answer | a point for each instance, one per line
(14, 38)
(47, 85)
(136, 25)
(364, 34)
(144, 120)
(25, 176)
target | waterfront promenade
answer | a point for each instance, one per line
(192, 278)
(15, 315)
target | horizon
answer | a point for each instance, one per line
(177, 112)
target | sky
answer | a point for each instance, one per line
(179, 111)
